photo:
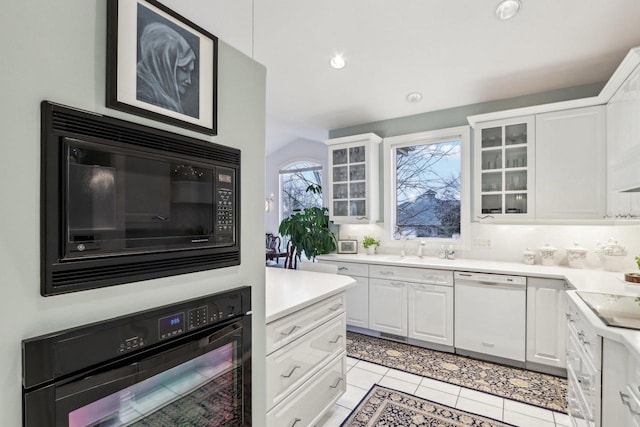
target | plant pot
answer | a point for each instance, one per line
(371, 250)
(632, 277)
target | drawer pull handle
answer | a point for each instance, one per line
(337, 383)
(342, 269)
(625, 401)
(487, 344)
(336, 307)
(570, 318)
(296, 421)
(291, 372)
(397, 283)
(336, 340)
(387, 273)
(293, 328)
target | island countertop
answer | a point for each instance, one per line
(291, 290)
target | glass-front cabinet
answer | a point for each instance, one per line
(353, 179)
(504, 169)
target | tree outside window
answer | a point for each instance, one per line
(428, 189)
(294, 181)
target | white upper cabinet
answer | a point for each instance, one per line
(570, 164)
(504, 164)
(353, 179)
(623, 149)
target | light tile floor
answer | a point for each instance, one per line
(362, 375)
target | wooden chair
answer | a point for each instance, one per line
(291, 261)
(272, 247)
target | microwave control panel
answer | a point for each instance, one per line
(225, 205)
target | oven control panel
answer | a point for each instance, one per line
(198, 317)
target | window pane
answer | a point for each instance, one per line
(428, 185)
(294, 182)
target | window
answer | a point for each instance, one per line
(428, 184)
(294, 181)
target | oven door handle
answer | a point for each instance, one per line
(223, 333)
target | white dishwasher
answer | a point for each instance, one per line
(490, 315)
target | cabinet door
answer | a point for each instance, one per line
(623, 150)
(358, 303)
(353, 179)
(546, 322)
(570, 164)
(431, 313)
(388, 306)
(504, 169)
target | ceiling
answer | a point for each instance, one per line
(453, 52)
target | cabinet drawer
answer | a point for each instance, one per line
(308, 403)
(287, 329)
(293, 364)
(350, 268)
(590, 341)
(412, 274)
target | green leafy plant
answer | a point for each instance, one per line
(638, 261)
(308, 230)
(370, 241)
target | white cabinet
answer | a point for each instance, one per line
(306, 362)
(570, 164)
(358, 294)
(388, 306)
(620, 380)
(623, 148)
(430, 313)
(546, 322)
(353, 179)
(504, 169)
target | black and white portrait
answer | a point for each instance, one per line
(161, 65)
(167, 71)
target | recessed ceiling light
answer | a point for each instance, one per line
(338, 62)
(414, 97)
(507, 9)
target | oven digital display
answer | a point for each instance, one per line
(171, 325)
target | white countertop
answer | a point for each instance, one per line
(288, 290)
(581, 279)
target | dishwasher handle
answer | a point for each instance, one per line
(490, 279)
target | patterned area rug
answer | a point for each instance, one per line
(525, 386)
(385, 407)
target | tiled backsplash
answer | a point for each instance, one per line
(506, 242)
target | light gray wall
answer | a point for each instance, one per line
(457, 116)
(55, 50)
(299, 150)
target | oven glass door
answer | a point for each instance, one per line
(200, 383)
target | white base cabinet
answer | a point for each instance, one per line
(388, 306)
(546, 322)
(358, 295)
(306, 363)
(431, 313)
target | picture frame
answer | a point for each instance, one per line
(347, 246)
(161, 66)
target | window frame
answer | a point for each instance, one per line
(461, 133)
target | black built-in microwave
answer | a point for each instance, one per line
(123, 202)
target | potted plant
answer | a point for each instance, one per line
(370, 244)
(308, 230)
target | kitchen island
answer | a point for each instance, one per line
(306, 347)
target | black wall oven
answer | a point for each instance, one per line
(122, 202)
(185, 364)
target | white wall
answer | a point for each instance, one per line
(508, 241)
(299, 150)
(55, 50)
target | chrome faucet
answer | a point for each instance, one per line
(421, 245)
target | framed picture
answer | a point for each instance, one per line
(347, 246)
(160, 65)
